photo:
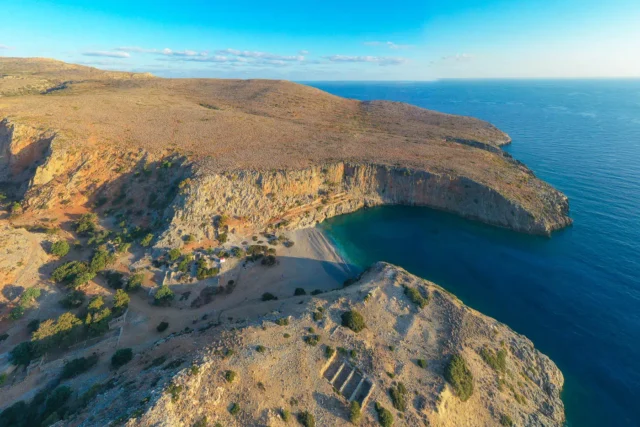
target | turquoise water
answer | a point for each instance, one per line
(576, 295)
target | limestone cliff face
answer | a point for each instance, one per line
(302, 198)
(22, 149)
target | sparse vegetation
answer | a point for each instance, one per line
(496, 360)
(261, 349)
(457, 373)
(26, 301)
(422, 363)
(286, 415)
(312, 340)
(146, 240)
(174, 390)
(505, 420)
(329, 351)
(135, 282)
(299, 291)
(162, 326)
(353, 320)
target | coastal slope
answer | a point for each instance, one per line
(265, 153)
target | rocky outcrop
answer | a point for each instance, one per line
(275, 368)
(303, 198)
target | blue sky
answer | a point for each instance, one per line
(333, 40)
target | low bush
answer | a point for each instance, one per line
(164, 296)
(312, 340)
(398, 397)
(306, 419)
(286, 415)
(174, 254)
(60, 248)
(267, 296)
(162, 327)
(422, 363)
(146, 240)
(261, 349)
(299, 291)
(121, 357)
(283, 321)
(416, 296)
(234, 409)
(135, 282)
(318, 316)
(355, 413)
(230, 376)
(353, 320)
(329, 351)
(459, 376)
(385, 418)
(505, 420)
(78, 366)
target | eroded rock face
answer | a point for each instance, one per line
(303, 198)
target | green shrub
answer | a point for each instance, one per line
(355, 413)
(283, 321)
(76, 367)
(162, 326)
(189, 238)
(202, 422)
(121, 357)
(23, 353)
(222, 238)
(100, 260)
(135, 282)
(86, 224)
(306, 419)
(60, 248)
(312, 340)
(230, 376)
(267, 296)
(286, 415)
(3, 379)
(261, 349)
(185, 263)
(234, 409)
(164, 296)
(416, 297)
(353, 320)
(56, 399)
(422, 363)
(299, 291)
(33, 325)
(316, 292)
(17, 312)
(398, 397)
(459, 376)
(174, 390)
(146, 240)
(4, 336)
(120, 300)
(505, 420)
(385, 418)
(329, 351)
(174, 254)
(318, 316)
(497, 360)
(69, 271)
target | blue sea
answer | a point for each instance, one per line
(575, 295)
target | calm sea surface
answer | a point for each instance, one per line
(576, 295)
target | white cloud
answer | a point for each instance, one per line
(390, 45)
(108, 54)
(458, 57)
(380, 60)
(260, 55)
(303, 52)
(136, 49)
(4, 46)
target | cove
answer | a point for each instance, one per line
(576, 295)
